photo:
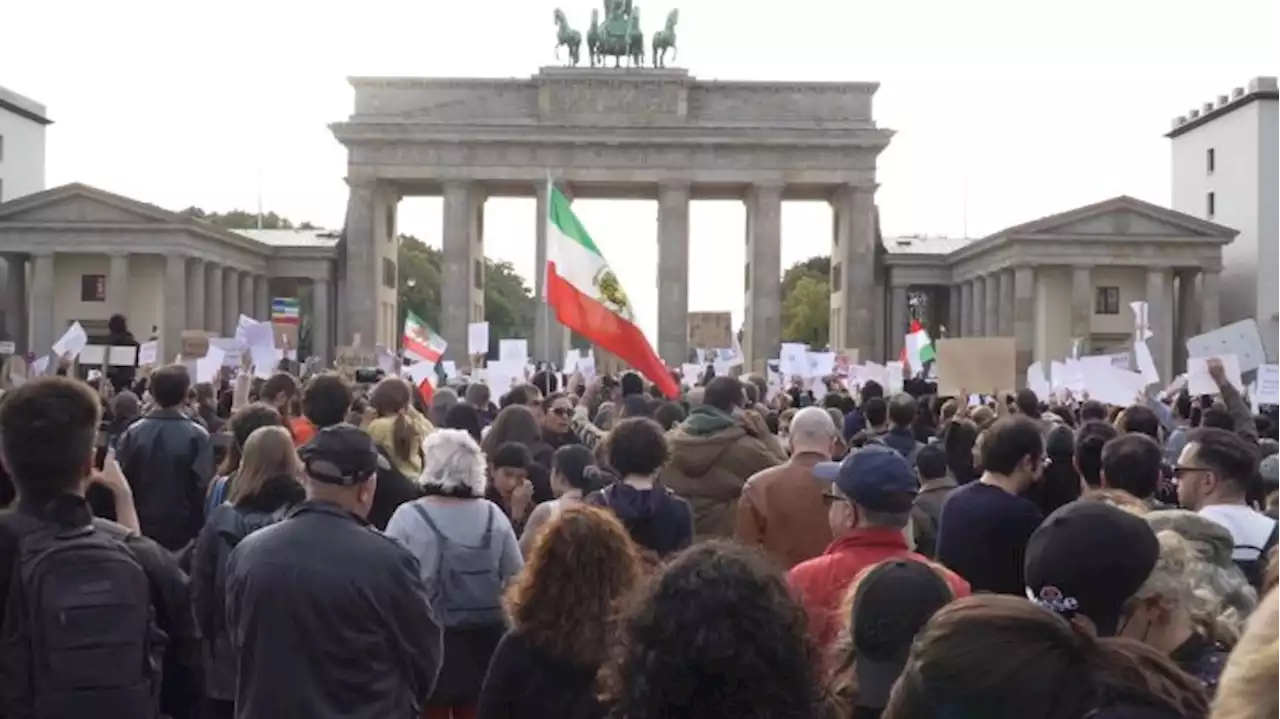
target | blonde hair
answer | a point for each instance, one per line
(1175, 581)
(1247, 689)
(268, 454)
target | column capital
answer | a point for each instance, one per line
(674, 187)
(43, 253)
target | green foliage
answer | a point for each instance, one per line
(806, 302)
(242, 220)
(806, 312)
(508, 303)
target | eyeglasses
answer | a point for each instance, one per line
(560, 411)
(1180, 470)
(830, 498)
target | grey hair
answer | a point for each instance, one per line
(443, 399)
(1213, 577)
(811, 426)
(1185, 583)
(452, 460)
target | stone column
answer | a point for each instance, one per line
(763, 336)
(1159, 319)
(321, 342)
(16, 310)
(980, 319)
(897, 320)
(118, 292)
(261, 298)
(1082, 307)
(230, 301)
(954, 305)
(246, 294)
(1024, 318)
(966, 309)
(213, 304)
(861, 294)
(1210, 319)
(879, 322)
(196, 297)
(462, 265)
(43, 331)
(1188, 319)
(673, 273)
(1006, 303)
(174, 313)
(360, 303)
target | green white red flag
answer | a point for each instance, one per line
(587, 297)
(420, 342)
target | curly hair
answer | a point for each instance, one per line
(582, 565)
(717, 634)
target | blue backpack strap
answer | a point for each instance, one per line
(216, 496)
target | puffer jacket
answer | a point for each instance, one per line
(712, 455)
(227, 525)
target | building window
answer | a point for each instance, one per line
(1210, 161)
(1106, 301)
(93, 288)
(1210, 205)
(479, 274)
(388, 273)
(835, 277)
(746, 277)
(391, 223)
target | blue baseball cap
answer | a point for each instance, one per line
(876, 477)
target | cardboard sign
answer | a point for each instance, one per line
(351, 358)
(195, 344)
(977, 364)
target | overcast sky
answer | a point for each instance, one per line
(1005, 111)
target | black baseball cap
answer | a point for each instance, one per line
(1088, 558)
(342, 454)
(876, 477)
(892, 601)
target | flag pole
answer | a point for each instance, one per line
(546, 306)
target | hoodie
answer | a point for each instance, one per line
(656, 519)
(713, 454)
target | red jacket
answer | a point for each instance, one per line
(821, 582)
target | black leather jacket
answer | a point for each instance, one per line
(329, 618)
(168, 460)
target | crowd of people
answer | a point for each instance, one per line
(587, 549)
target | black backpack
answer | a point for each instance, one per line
(80, 636)
(1255, 568)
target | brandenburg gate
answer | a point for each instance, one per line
(605, 132)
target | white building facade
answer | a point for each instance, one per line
(1226, 169)
(23, 122)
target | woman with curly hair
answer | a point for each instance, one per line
(716, 635)
(561, 609)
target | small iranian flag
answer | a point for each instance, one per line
(420, 342)
(587, 297)
(918, 349)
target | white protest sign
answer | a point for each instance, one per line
(7, 348)
(1199, 381)
(208, 367)
(1146, 363)
(793, 360)
(147, 353)
(513, 350)
(71, 342)
(478, 338)
(1268, 385)
(1241, 339)
(1036, 381)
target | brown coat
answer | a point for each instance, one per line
(782, 512)
(712, 456)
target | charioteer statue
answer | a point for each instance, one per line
(619, 37)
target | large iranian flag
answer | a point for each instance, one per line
(587, 297)
(420, 342)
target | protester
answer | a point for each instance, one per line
(266, 486)
(1001, 657)
(1248, 685)
(327, 617)
(518, 424)
(129, 593)
(1060, 482)
(657, 520)
(561, 607)
(442, 400)
(467, 418)
(958, 439)
(781, 509)
(509, 487)
(936, 484)
(281, 391)
(714, 452)
(1214, 577)
(1134, 462)
(885, 607)
(557, 413)
(242, 424)
(716, 635)
(984, 526)
(1214, 473)
(870, 495)
(570, 484)
(466, 551)
(399, 429)
(900, 433)
(168, 459)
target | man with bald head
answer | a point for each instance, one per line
(781, 509)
